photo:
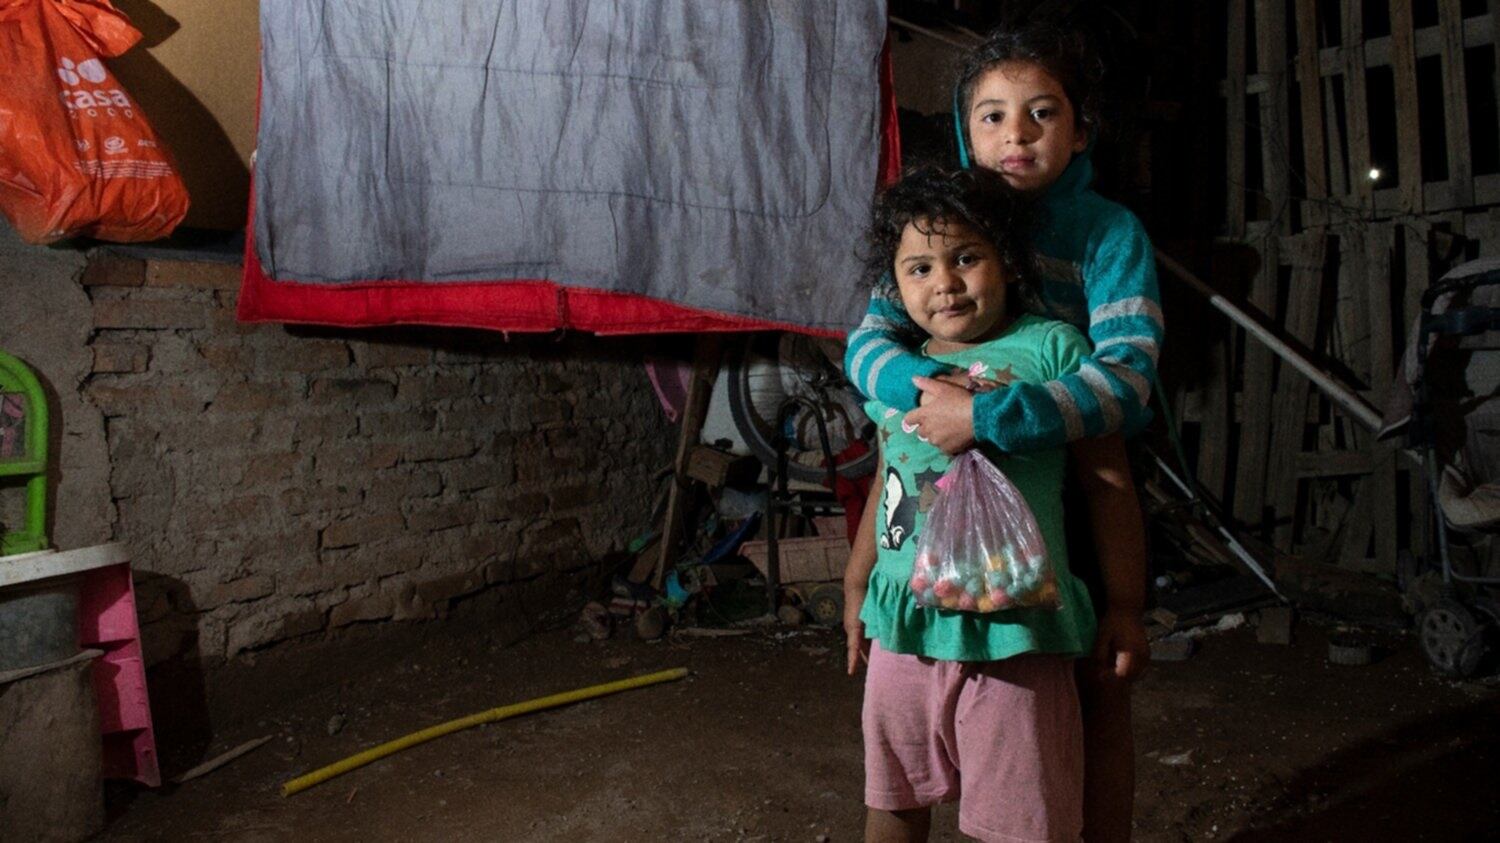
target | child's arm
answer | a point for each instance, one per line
(1120, 537)
(857, 576)
(879, 359)
(1108, 393)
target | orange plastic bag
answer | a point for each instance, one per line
(77, 156)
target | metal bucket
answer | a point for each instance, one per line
(38, 623)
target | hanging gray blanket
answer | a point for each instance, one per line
(718, 154)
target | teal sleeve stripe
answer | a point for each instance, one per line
(878, 361)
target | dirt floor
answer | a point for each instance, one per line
(1244, 741)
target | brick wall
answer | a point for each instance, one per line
(273, 483)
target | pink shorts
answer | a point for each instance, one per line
(1008, 731)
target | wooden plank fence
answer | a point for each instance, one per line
(1346, 244)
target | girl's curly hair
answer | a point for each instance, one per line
(932, 198)
(1065, 53)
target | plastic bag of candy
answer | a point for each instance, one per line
(981, 549)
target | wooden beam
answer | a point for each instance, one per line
(708, 352)
(1408, 128)
(1303, 300)
(1213, 439)
(1455, 101)
(1275, 145)
(1314, 154)
(1379, 244)
(1377, 52)
(1333, 464)
(1356, 107)
(1255, 426)
(1235, 188)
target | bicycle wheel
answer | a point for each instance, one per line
(768, 369)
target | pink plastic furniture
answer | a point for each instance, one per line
(107, 621)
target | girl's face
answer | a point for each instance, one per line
(1022, 125)
(952, 281)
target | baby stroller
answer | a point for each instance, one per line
(1452, 420)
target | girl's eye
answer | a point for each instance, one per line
(1041, 113)
(919, 270)
(992, 117)
(967, 259)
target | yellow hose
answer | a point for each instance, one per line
(504, 712)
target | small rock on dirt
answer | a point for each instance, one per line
(336, 724)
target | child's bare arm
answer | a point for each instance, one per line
(857, 575)
(1120, 539)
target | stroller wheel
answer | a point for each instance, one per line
(1452, 638)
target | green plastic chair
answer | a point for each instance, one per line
(23, 451)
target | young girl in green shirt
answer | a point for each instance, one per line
(978, 707)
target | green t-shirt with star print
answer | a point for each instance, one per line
(1032, 350)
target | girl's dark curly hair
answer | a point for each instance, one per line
(1063, 52)
(932, 198)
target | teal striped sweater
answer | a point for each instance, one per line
(1100, 275)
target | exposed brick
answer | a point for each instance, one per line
(199, 274)
(252, 397)
(120, 357)
(305, 355)
(373, 608)
(576, 495)
(445, 447)
(269, 468)
(360, 530)
(410, 607)
(143, 398)
(382, 457)
(401, 555)
(552, 538)
(549, 382)
(541, 465)
(468, 476)
(524, 504)
(451, 586)
(561, 436)
(368, 391)
(441, 517)
(340, 426)
(302, 623)
(475, 419)
(321, 579)
(129, 313)
(530, 411)
(319, 499)
(424, 389)
(241, 590)
(109, 271)
(383, 355)
(411, 420)
(480, 548)
(204, 514)
(396, 489)
(233, 356)
(336, 461)
(225, 431)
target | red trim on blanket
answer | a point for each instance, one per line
(521, 305)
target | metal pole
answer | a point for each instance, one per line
(1337, 391)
